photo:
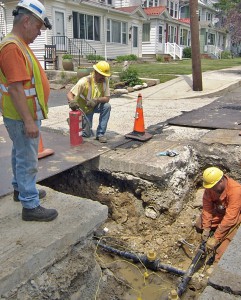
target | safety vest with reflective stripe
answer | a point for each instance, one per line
(91, 91)
(33, 88)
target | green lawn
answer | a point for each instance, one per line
(168, 71)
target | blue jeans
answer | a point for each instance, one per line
(24, 162)
(104, 110)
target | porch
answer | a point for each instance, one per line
(80, 49)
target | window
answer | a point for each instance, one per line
(116, 32)
(172, 8)
(184, 37)
(211, 39)
(176, 11)
(172, 34)
(150, 3)
(146, 32)
(86, 27)
(109, 2)
(208, 17)
(160, 32)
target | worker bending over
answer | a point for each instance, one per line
(221, 210)
(92, 95)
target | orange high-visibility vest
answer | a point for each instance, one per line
(33, 88)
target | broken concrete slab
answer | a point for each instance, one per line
(143, 160)
(222, 136)
(212, 294)
(140, 164)
(27, 248)
(227, 275)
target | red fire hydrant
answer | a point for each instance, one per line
(75, 127)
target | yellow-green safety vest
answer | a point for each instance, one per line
(33, 89)
(90, 91)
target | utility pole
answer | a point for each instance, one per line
(196, 60)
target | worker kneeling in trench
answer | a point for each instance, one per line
(221, 211)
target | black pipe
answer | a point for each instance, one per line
(188, 274)
(154, 265)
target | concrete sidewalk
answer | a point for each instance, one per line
(213, 83)
(159, 102)
(156, 99)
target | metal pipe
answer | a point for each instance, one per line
(154, 265)
(188, 274)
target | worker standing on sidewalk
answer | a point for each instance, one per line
(24, 91)
(221, 210)
(92, 95)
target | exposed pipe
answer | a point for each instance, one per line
(153, 265)
(188, 274)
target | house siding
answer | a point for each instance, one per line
(124, 3)
(150, 47)
(38, 45)
(2, 21)
(135, 17)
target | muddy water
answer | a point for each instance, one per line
(140, 283)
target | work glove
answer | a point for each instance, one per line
(91, 103)
(211, 243)
(205, 234)
(73, 105)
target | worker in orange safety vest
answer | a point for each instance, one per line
(24, 92)
(221, 210)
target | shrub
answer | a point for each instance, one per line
(129, 57)
(226, 54)
(94, 57)
(67, 56)
(159, 58)
(187, 52)
(130, 76)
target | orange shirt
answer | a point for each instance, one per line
(13, 66)
(230, 199)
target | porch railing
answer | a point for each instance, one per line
(214, 50)
(76, 47)
(174, 50)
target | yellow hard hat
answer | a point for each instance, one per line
(103, 68)
(211, 176)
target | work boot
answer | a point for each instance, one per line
(42, 194)
(39, 213)
(102, 139)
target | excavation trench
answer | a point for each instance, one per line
(145, 216)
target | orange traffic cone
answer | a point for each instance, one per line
(138, 132)
(42, 152)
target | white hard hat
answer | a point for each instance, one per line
(37, 9)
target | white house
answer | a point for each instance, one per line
(88, 27)
(119, 27)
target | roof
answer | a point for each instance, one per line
(128, 9)
(154, 11)
(185, 20)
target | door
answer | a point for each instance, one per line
(135, 41)
(135, 37)
(160, 39)
(59, 30)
